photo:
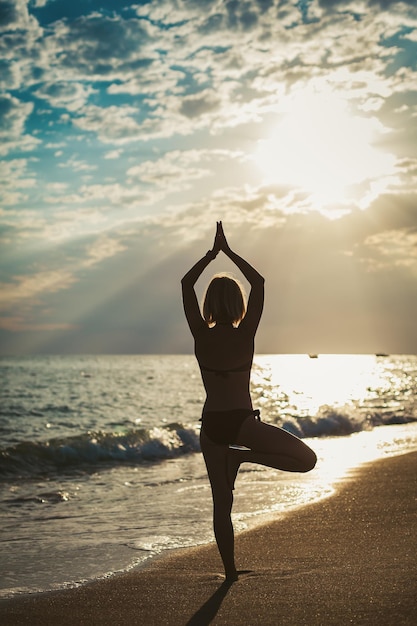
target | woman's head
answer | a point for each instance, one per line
(224, 301)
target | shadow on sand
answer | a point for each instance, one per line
(208, 611)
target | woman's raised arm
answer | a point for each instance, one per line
(255, 279)
(189, 298)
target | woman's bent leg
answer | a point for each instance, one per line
(270, 446)
(274, 447)
(221, 475)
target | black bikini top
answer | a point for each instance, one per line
(241, 368)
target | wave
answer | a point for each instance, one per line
(92, 449)
(88, 451)
(332, 422)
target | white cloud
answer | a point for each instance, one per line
(411, 36)
(21, 225)
(30, 287)
(71, 96)
(247, 80)
(113, 124)
(98, 47)
(113, 154)
(115, 194)
(19, 44)
(57, 187)
(13, 116)
(14, 177)
(157, 78)
(217, 65)
(199, 104)
(102, 248)
(14, 15)
(77, 165)
(171, 170)
(392, 248)
(93, 208)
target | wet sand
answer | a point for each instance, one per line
(349, 559)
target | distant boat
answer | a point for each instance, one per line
(313, 356)
(381, 354)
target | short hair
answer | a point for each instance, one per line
(224, 300)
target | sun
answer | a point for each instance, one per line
(322, 149)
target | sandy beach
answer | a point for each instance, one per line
(349, 559)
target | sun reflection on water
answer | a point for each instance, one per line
(309, 384)
(335, 395)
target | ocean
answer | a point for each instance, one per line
(100, 464)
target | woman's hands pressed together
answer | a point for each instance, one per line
(220, 242)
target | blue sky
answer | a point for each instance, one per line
(128, 129)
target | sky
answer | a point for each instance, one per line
(127, 129)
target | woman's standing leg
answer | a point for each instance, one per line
(270, 446)
(221, 474)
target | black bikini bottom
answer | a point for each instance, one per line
(223, 427)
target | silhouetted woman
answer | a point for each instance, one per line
(224, 345)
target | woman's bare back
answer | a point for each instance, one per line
(225, 356)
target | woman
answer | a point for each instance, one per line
(224, 346)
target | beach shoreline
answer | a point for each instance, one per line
(96, 482)
(349, 558)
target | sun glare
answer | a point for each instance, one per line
(320, 148)
(329, 379)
